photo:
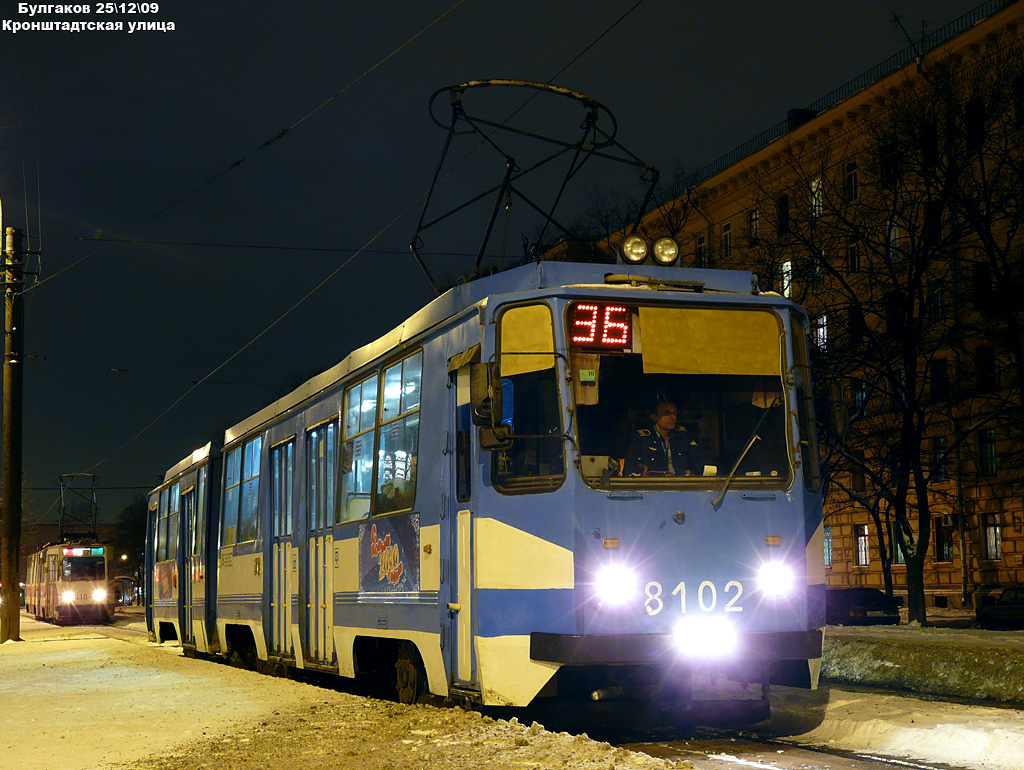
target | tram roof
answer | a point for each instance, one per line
(529, 277)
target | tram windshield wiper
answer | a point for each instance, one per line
(754, 436)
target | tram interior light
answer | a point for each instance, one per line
(775, 579)
(99, 595)
(633, 249)
(68, 597)
(707, 636)
(615, 584)
(666, 251)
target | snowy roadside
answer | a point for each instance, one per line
(89, 702)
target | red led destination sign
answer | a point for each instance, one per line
(595, 324)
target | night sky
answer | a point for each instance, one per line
(108, 137)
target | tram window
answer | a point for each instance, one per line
(199, 533)
(83, 568)
(282, 470)
(161, 531)
(357, 451)
(321, 469)
(173, 507)
(720, 368)
(399, 435)
(241, 492)
(536, 460)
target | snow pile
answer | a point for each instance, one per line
(949, 662)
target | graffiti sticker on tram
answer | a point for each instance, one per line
(389, 551)
(705, 597)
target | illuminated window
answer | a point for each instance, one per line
(282, 465)
(360, 435)
(787, 279)
(993, 537)
(321, 470)
(816, 198)
(863, 543)
(828, 546)
(821, 331)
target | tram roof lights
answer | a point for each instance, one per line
(633, 249)
(666, 251)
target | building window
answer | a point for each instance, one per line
(816, 198)
(726, 241)
(974, 123)
(940, 458)
(821, 331)
(897, 552)
(828, 546)
(993, 537)
(853, 254)
(850, 188)
(985, 369)
(782, 209)
(860, 396)
(860, 532)
(892, 239)
(987, 452)
(755, 226)
(930, 144)
(787, 279)
(938, 370)
(936, 305)
(857, 471)
(700, 257)
(943, 540)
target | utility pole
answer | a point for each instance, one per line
(10, 498)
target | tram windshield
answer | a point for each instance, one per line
(672, 396)
(83, 568)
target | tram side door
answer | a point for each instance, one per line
(459, 515)
(321, 467)
(282, 556)
(189, 573)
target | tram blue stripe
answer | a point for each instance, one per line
(505, 612)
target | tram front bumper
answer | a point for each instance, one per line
(662, 649)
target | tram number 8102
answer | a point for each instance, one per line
(707, 597)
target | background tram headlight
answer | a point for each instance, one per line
(705, 636)
(665, 251)
(615, 585)
(775, 579)
(633, 249)
(68, 597)
(99, 595)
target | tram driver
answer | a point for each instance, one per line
(665, 449)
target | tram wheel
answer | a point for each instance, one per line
(410, 675)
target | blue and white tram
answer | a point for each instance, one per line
(459, 500)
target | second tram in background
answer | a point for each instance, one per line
(69, 583)
(468, 504)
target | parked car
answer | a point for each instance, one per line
(1006, 613)
(860, 607)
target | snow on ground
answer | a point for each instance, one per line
(71, 699)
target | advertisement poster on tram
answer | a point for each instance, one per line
(389, 555)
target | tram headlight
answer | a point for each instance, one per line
(615, 584)
(99, 595)
(775, 579)
(705, 636)
(665, 251)
(633, 249)
(68, 597)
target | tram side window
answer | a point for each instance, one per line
(282, 470)
(161, 528)
(199, 534)
(241, 492)
(321, 466)
(530, 406)
(173, 508)
(360, 410)
(399, 435)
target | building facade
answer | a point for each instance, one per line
(890, 210)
